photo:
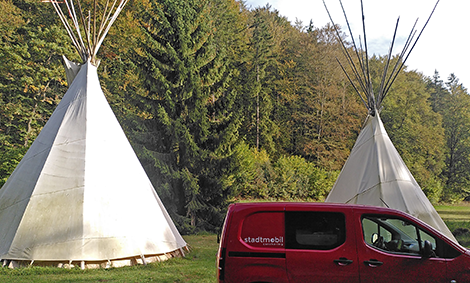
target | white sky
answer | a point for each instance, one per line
(442, 46)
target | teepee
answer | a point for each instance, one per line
(80, 196)
(374, 173)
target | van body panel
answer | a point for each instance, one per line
(256, 239)
(396, 266)
(263, 230)
(319, 242)
(334, 259)
(399, 268)
(256, 269)
(458, 268)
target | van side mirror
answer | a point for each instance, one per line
(427, 251)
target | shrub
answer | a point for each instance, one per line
(296, 178)
(254, 176)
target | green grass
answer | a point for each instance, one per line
(456, 216)
(197, 266)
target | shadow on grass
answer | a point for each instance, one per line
(463, 237)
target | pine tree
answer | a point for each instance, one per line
(188, 124)
(259, 128)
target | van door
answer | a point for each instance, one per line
(391, 248)
(320, 247)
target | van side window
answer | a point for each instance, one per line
(314, 230)
(398, 235)
(392, 234)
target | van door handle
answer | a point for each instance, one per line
(373, 263)
(342, 261)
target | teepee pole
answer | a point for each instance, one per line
(94, 21)
(349, 78)
(368, 79)
(95, 27)
(82, 17)
(364, 80)
(349, 60)
(399, 63)
(389, 58)
(77, 42)
(110, 22)
(412, 47)
(359, 58)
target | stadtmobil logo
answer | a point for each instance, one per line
(265, 241)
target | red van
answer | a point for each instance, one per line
(324, 242)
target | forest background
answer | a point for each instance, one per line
(222, 103)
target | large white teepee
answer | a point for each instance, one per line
(80, 195)
(374, 173)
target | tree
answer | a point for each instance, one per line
(326, 113)
(189, 128)
(414, 128)
(256, 101)
(438, 91)
(31, 76)
(454, 108)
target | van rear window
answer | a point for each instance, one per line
(314, 230)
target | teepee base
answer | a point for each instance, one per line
(90, 264)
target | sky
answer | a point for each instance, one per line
(443, 46)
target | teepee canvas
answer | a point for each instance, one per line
(80, 196)
(374, 173)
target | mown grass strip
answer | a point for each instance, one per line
(457, 217)
(197, 266)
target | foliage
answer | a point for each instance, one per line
(415, 129)
(223, 103)
(31, 78)
(326, 114)
(256, 98)
(247, 178)
(189, 127)
(299, 179)
(452, 102)
(289, 178)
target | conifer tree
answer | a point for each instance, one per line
(189, 126)
(259, 127)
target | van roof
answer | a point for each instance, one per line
(340, 206)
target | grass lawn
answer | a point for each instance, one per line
(197, 266)
(457, 216)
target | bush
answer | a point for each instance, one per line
(254, 176)
(247, 178)
(433, 189)
(298, 179)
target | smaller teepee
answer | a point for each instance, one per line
(80, 195)
(374, 173)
